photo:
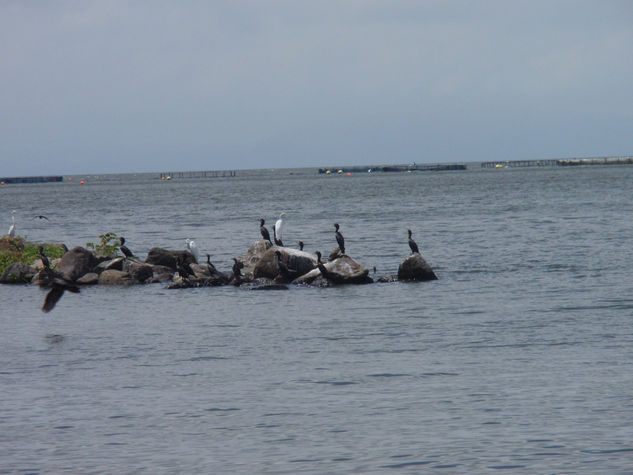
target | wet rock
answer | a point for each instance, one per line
(164, 257)
(116, 264)
(200, 271)
(253, 256)
(343, 270)
(138, 271)
(415, 268)
(91, 278)
(270, 287)
(114, 277)
(159, 278)
(76, 263)
(297, 263)
(18, 273)
(335, 254)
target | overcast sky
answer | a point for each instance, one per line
(113, 86)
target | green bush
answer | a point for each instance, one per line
(107, 247)
(14, 249)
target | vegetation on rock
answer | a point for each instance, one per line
(107, 247)
(17, 249)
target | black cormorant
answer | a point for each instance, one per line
(57, 283)
(283, 267)
(237, 272)
(264, 231)
(126, 252)
(301, 245)
(320, 265)
(412, 244)
(339, 239)
(184, 269)
(211, 267)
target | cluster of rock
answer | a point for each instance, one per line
(264, 266)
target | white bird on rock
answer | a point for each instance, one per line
(277, 229)
(192, 248)
(12, 228)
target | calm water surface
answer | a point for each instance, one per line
(519, 359)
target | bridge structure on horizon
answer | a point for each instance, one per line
(561, 162)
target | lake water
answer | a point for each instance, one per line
(518, 359)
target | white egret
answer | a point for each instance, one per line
(277, 228)
(192, 248)
(12, 228)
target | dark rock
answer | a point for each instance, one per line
(159, 278)
(343, 270)
(91, 278)
(335, 254)
(138, 271)
(115, 264)
(200, 271)
(297, 262)
(415, 268)
(76, 263)
(18, 273)
(114, 277)
(163, 257)
(270, 287)
(388, 278)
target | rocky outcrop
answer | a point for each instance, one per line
(297, 263)
(18, 273)
(116, 264)
(164, 257)
(76, 263)
(114, 277)
(343, 270)
(138, 271)
(253, 256)
(415, 268)
(91, 278)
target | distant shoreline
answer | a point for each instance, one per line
(389, 168)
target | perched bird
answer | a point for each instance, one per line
(237, 272)
(412, 244)
(277, 228)
(183, 268)
(264, 231)
(339, 239)
(277, 240)
(210, 267)
(11, 232)
(285, 272)
(237, 267)
(126, 252)
(56, 282)
(320, 264)
(301, 245)
(192, 248)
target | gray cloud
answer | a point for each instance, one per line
(97, 87)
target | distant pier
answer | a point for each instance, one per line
(31, 179)
(393, 168)
(569, 162)
(198, 174)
